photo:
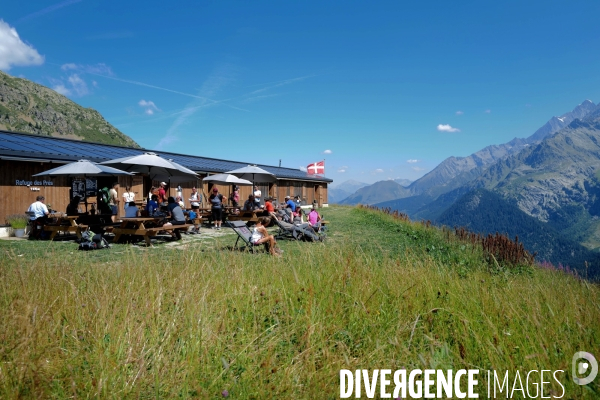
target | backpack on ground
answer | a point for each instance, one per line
(92, 241)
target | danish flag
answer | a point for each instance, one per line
(316, 168)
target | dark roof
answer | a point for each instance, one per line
(28, 146)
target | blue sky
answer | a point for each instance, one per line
(379, 90)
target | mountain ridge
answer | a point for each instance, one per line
(29, 107)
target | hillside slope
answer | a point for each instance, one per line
(194, 319)
(28, 107)
(377, 192)
(556, 181)
(485, 212)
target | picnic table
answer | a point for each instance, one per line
(248, 216)
(64, 223)
(137, 226)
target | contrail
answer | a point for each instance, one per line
(170, 90)
(48, 10)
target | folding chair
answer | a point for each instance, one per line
(244, 233)
(291, 231)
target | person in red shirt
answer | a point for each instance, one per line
(269, 205)
(162, 193)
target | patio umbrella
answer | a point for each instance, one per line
(151, 164)
(83, 168)
(254, 174)
(155, 166)
(227, 179)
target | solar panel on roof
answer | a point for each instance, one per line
(69, 149)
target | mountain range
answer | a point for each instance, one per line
(28, 107)
(552, 176)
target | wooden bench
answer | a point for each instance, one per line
(247, 216)
(77, 229)
(148, 233)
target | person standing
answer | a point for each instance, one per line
(113, 201)
(195, 199)
(128, 197)
(216, 202)
(235, 196)
(153, 191)
(257, 195)
(162, 194)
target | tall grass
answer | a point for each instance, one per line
(195, 322)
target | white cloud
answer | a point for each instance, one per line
(418, 169)
(327, 151)
(412, 161)
(341, 170)
(60, 88)
(13, 51)
(488, 111)
(378, 171)
(78, 85)
(303, 169)
(459, 112)
(68, 67)
(447, 128)
(74, 86)
(149, 106)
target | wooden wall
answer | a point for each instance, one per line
(16, 199)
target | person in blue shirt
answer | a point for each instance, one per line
(290, 203)
(152, 205)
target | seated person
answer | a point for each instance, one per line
(132, 210)
(179, 201)
(176, 216)
(260, 235)
(175, 212)
(303, 228)
(152, 205)
(39, 209)
(314, 219)
(269, 205)
(39, 217)
(298, 217)
(290, 204)
(250, 204)
(73, 207)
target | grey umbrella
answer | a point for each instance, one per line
(254, 174)
(155, 166)
(151, 164)
(83, 168)
(227, 179)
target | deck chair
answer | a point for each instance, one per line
(291, 231)
(244, 233)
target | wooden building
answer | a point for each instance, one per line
(24, 155)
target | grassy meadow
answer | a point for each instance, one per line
(201, 321)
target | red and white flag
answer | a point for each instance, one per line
(317, 168)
